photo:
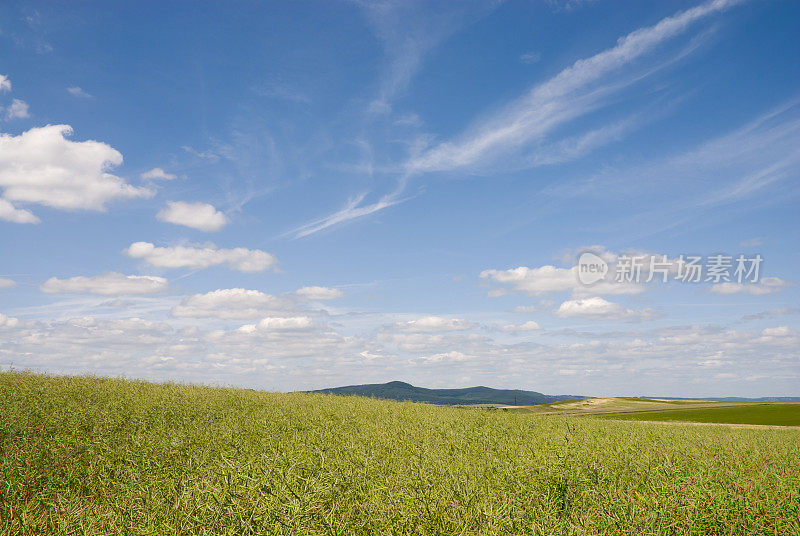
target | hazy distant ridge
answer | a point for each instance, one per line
(469, 395)
(397, 390)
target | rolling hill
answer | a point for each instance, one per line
(450, 397)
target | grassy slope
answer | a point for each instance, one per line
(92, 456)
(777, 414)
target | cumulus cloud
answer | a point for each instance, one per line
(530, 325)
(431, 324)
(201, 256)
(17, 110)
(198, 215)
(452, 356)
(281, 355)
(7, 321)
(319, 293)
(158, 173)
(275, 323)
(600, 309)
(13, 214)
(76, 91)
(534, 281)
(109, 284)
(230, 303)
(7, 283)
(780, 331)
(767, 285)
(5, 83)
(42, 166)
(547, 279)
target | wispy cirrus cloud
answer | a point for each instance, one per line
(352, 210)
(408, 31)
(562, 98)
(749, 165)
(585, 86)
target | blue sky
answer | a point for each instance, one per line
(307, 194)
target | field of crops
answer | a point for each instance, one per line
(95, 456)
(600, 406)
(769, 414)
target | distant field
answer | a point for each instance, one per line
(773, 414)
(95, 456)
(593, 406)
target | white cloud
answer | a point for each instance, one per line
(8, 322)
(432, 324)
(452, 356)
(158, 173)
(547, 279)
(599, 309)
(75, 91)
(7, 283)
(198, 215)
(229, 303)
(17, 110)
(5, 83)
(13, 214)
(41, 166)
(319, 293)
(201, 256)
(767, 285)
(536, 281)
(780, 331)
(530, 325)
(275, 323)
(109, 284)
(575, 147)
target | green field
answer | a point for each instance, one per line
(95, 456)
(771, 414)
(599, 406)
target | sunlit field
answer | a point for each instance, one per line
(761, 414)
(96, 456)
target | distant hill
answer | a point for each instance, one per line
(450, 397)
